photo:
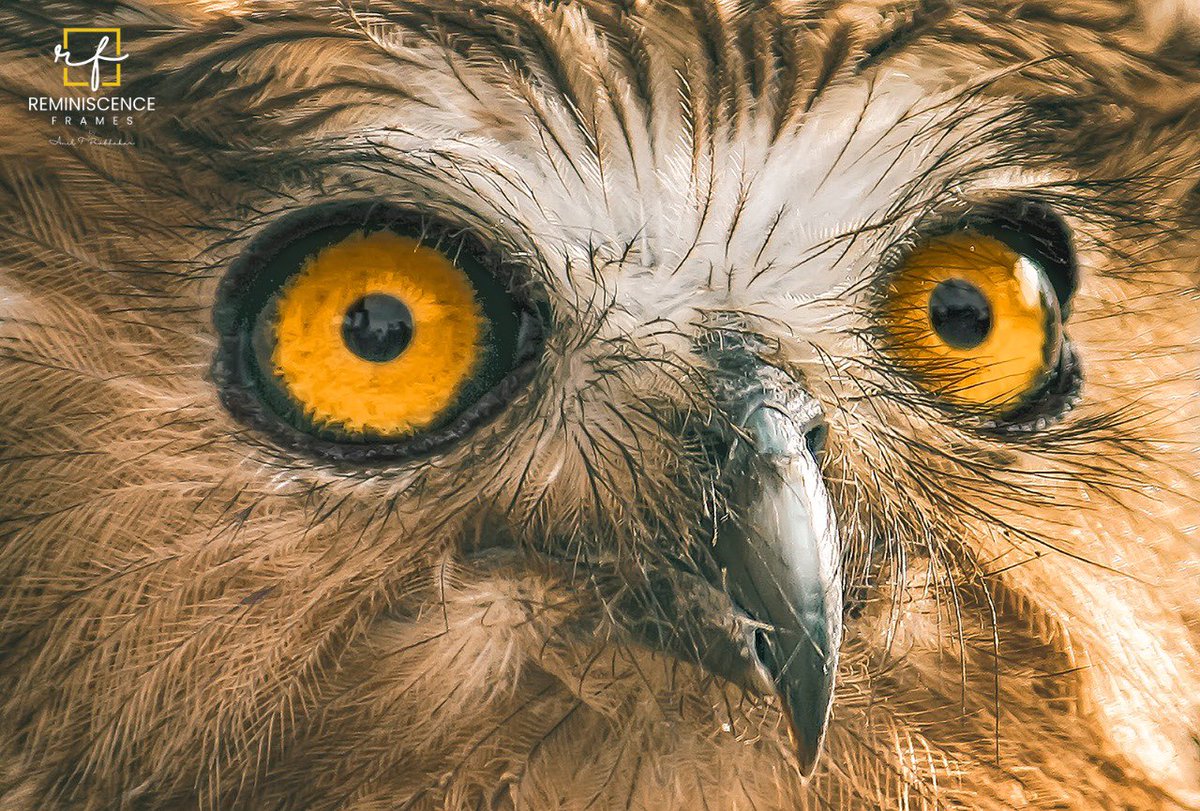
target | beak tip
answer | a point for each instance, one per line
(807, 705)
(806, 742)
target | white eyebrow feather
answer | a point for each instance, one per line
(760, 225)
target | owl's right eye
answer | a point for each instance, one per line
(975, 321)
(978, 317)
(383, 336)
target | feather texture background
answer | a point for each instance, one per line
(193, 616)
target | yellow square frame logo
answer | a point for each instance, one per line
(66, 44)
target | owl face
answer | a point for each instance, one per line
(604, 404)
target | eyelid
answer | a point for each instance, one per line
(999, 218)
(519, 267)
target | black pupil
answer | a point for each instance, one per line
(377, 327)
(960, 313)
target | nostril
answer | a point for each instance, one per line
(760, 646)
(815, 439)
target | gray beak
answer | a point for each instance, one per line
(779, 548)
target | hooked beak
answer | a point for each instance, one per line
(779, 548)
(777, 625)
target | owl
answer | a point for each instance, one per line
(600, 404)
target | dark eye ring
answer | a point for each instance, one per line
(365, 331)
(976, 315)
(1034, 229)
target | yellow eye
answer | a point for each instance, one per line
(363, 331)
(376, 334)
(975, 321)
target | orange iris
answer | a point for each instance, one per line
(403, 391)
(976, 322)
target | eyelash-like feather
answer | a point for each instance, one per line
(250, 629)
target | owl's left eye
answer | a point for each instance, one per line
(980, 324)
(376, 333)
